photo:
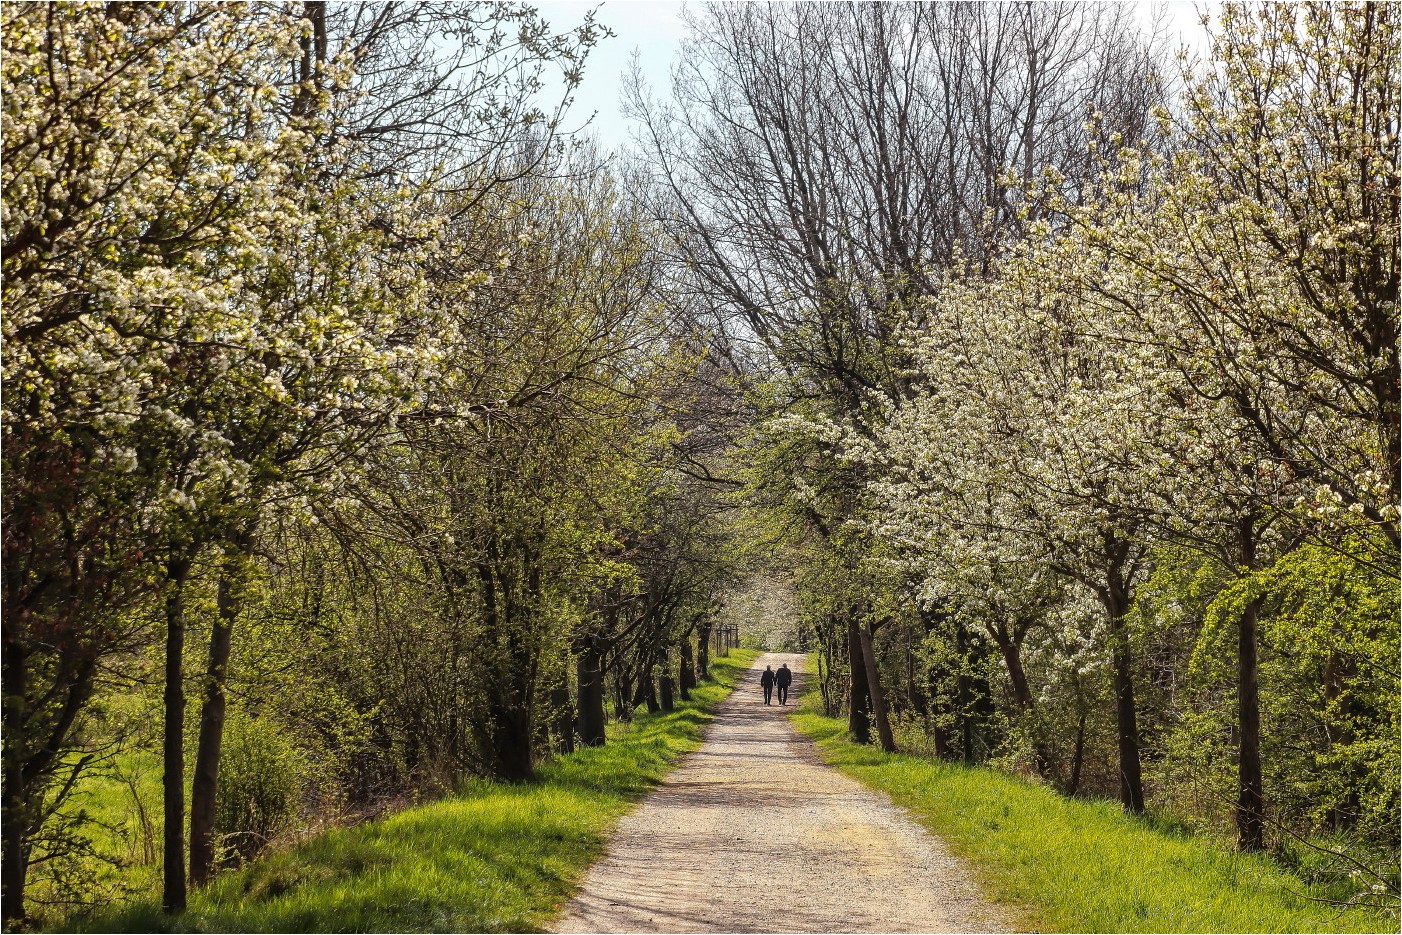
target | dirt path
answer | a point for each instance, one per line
(752, 833)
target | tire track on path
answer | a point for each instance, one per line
(753, 833)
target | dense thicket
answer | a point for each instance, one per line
(363, 434)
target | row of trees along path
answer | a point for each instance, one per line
(355, 418)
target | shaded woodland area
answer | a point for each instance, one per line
(365, 432)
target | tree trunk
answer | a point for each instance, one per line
(666, 691)
(914, 701)
(562, 718)
(939, 740)
(205, 787)
(510, 722)
(1011, 648)
(937, 706)
(824, 675)
(36, 734)
(173, 754)
(15, 814)
(510, 716)
(1115, 597)
(878, 697)
(1250, 806)
(858, 716)
(646, 694)
(686, 677)
(703, 651)
(591, 694)
(649, 685)
(1126, 726)
(1012, 658)
(1077, 755)
(622, 709)
(963, 698)
(511, 752)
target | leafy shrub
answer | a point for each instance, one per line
(260, 778)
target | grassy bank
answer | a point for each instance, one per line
(1070, 865)
(496, 858)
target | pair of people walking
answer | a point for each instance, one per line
(770, 680)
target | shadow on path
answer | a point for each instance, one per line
(753, 833)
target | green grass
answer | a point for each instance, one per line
(496, 858)
(1069, 865)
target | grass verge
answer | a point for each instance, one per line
(1071, 865)
(496, 858)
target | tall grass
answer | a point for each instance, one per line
(495, 858)
(1070, 865)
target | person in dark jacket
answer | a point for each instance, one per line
(783, 678)
(766, 682)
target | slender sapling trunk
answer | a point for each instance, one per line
(858, 718)
(878, 697)
(173, 753)
(205, 786)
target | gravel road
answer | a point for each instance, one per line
(752, 833)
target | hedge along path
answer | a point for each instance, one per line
(753, 833)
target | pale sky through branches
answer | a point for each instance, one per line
(654, 30)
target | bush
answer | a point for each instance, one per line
(260, 778)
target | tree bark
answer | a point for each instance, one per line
(830, 637)
(878, 697)
(590, 677)
(665, 684)
(173, 753)
(858, 716)
(646, 695)
(914, 700)
(34, 751)
(1017, 675)
(650, 693)
(508, 731)
(512, 759)
(1250, 804)
(622, 708)
(15, 814)
(1126, 726)
(1010, 646)
(205, 786)
(703, 651)
(686, 677)
(940, 741)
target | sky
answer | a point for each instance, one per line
(654, 29)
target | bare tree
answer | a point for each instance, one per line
(823, 165)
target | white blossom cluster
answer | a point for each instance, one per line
(1200, 349)
(190, 293)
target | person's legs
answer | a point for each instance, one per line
(783, 694)
(768, 693)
